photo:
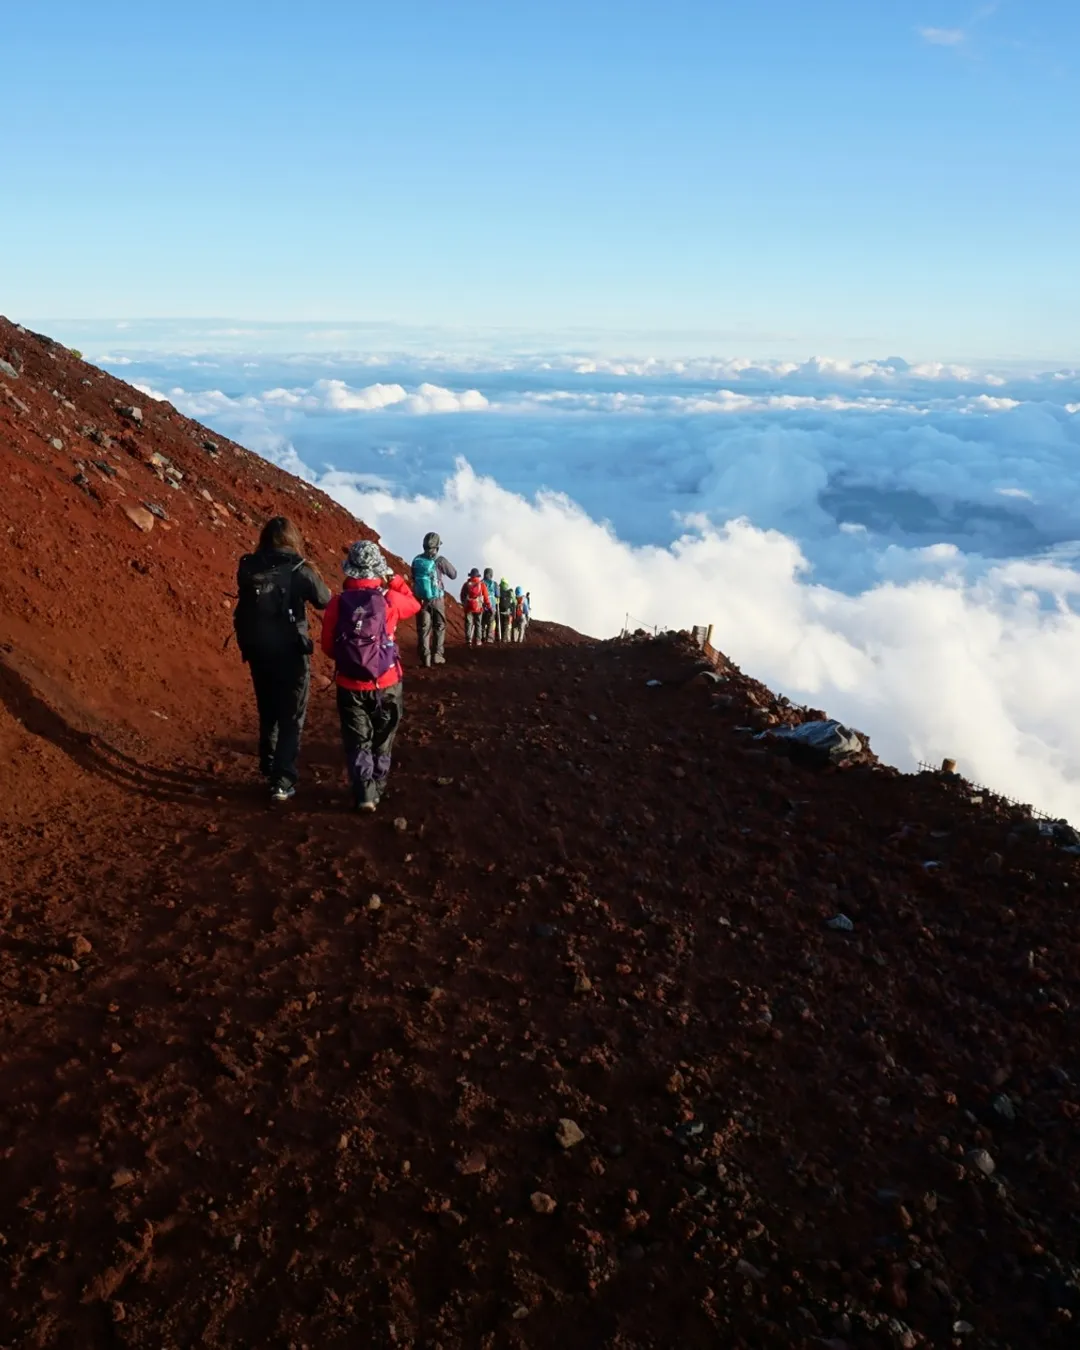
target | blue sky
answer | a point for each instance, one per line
(761, 177)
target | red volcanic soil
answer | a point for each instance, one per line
(298, 1079)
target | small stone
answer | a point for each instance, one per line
(445, 782)
(140, 518)
(635, 1252)
(689, 1129)
(80, 946)
(962, 1328)
(401, 824)
(544, 930)
(542, 1203)
(520, 1313)
(568, 1133)
(582, 985)
(675, 1083)
(57, 443)
(123, 1176)
(1003, 1106)
(473, 1165)
(132, 414)
(748, 1271)
(678, 771)
(374, 902)
(841, 924)
(982, 1161)
(6, 368)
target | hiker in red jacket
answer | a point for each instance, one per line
(473, 599)
(358, 632)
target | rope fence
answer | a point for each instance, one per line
(978, 788)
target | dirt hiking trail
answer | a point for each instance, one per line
(555, 1050)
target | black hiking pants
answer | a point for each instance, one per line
(431, 629)
(369, 723)
(282, 685)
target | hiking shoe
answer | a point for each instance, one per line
(281, 792)
(366, 806)
(439, 660)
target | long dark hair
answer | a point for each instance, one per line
(280, 533)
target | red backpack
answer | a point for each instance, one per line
(474, 595)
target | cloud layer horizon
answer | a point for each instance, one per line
(895, 542)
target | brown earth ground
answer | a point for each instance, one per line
(292, 1078)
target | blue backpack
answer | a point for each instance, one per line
(426, 583)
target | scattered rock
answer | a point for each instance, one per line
(155, 510)
(140, 517)
(80, 946)
(123, 1176)
(374, 902)
(401, 824)
(473, 1164)
(542, 1203)
(132, 414)
(962, 1328)
(689, 1129)
(6, 368)
(1002, 1104)
(57, 443)
(66, 963)
(568, 1133)
(520, 1313)
(840, 924)
(982, 1162)
(748, 1271)
(582, 985)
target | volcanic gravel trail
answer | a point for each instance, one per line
(304, 1085)
(557, 1049)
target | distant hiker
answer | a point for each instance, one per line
(358, 632)
(506, 610)
(428, 570)
(473, 596)
(521, 615)
(274, 587)
(491, 604)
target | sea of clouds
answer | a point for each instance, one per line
(895, 542)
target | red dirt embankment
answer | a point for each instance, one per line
(296, 1079)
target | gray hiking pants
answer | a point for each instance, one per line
(431, 629)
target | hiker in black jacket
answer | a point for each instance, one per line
(274, 587)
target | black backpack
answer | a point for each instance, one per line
(267, 616)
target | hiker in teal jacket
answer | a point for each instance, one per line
(428, 570)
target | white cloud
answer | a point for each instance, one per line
(932, 667)
(943, 37)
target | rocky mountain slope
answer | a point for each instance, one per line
(559, 1049)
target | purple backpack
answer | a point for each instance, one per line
(363, 649)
